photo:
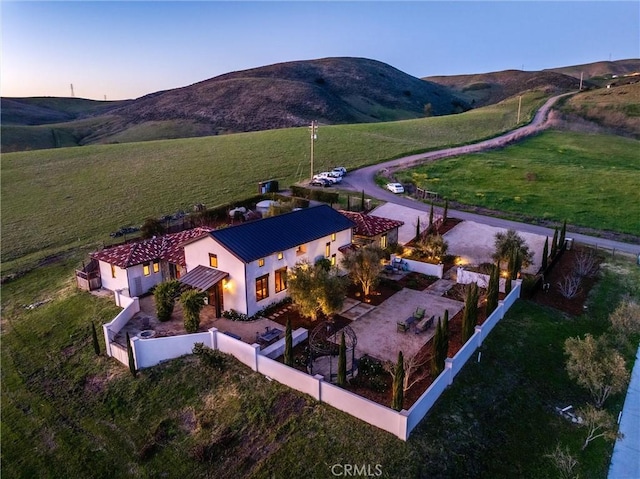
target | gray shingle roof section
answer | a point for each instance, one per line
(257, 239)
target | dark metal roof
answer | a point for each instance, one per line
(203, 277)
(257, 239)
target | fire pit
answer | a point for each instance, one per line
(146, 334)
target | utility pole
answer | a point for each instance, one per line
(519, 105)
(314, 136)
(581, 73)
(72, 95)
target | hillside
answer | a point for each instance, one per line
(600, 69)
(488, 88)
(330, 90)
(46, 110)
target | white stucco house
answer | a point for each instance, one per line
(137, 267)
(243, 267)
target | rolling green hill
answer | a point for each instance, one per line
(56, 200)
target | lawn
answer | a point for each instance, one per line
(62, 199)
(589, 180)
(62, 404)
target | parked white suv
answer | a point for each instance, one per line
(340, 170)
(333, 177)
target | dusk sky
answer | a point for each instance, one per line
(128, 49)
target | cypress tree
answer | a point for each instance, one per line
(554, 243)
(288, 345)
(563, 233)
(418, 230)
(362, 201)
(348, 203)
(398, 384)
(431, 216)
(437, 358)
(132, 361)
(94, 337)
(342, 362)
(545, 254)
(446, 211)
(445, 328)
(470, 315)
(493, 289)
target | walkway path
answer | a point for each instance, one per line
(625, 462)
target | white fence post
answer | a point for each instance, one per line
(256, 352)
(214, 337)
(134, 342)
(320, 379)
(448, 366)
(107, 339)
(478, 329)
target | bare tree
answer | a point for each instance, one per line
(412, 371)
(569, 285)
(564, 461)
(599, 423)
(586, 263)
(596, 366)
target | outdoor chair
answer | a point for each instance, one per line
(419, 314)
(424, 324)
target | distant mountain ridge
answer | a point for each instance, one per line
(329, 90)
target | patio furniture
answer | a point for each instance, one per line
(419, 314)
(235, 336)
(270, 335)
(403, 326)
(424, 324)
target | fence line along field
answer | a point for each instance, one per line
(589, 180)
(59, 199)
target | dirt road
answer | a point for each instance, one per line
(363, 179)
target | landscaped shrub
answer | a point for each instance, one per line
(234, 315)
(165, 296)
(192, 303)
(94, 339)
(208, 357)
(342, 363)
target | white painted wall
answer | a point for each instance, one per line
(422, 267)
(464, 276)
(149, 352)
(121, 280)
(289, 376)
(146, 282)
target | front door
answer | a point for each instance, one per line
(215, 298)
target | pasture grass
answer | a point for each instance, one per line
(60, 199)
(589, 180)
(61, 404)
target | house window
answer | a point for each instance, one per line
(327, 250)
(156, 266)
(302, 249)
(113, 270)
(281, 279)
(383, 241)
(333, 236)
(262, 287)
(145, 269)
(261, 262)
(213, 260)
(333, 259)
(280, 255)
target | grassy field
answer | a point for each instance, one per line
(62, 199)
(61, 404)
(589, 180)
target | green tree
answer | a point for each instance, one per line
(192, 303)
(131, 359)
(398, 384)
(554, 243)
(313, 289)
(342, 362)
(364, 266)
(493, 290)
(445, 213)
(506, 242)
(563, 234)
(433, 247)
(151, 227)
(438, 354)
(596, 366)
(94, 339)
(431, 216)
(418, 230)
(545, 254)
(470, 314)
(288, 345)
(445, 328)
(165, 295)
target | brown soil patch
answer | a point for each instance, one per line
(553, 298)
(416, 281)
(385, 289)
